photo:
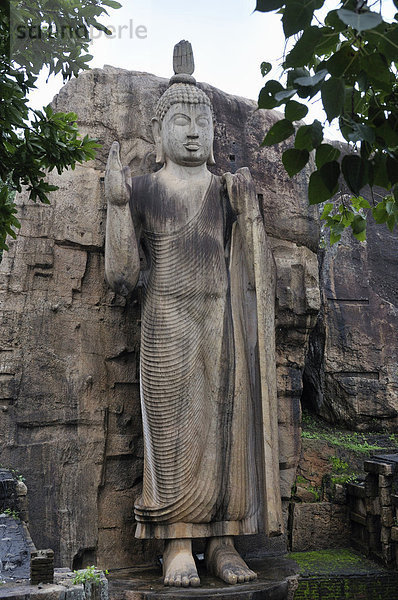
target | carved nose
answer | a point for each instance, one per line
(193, 132)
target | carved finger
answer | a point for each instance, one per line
(245, 171)
(127, 176)
(114, 163)
(228, 180)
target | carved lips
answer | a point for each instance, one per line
(192, 146)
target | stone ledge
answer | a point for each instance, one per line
(356, 489)
(42, 592)
(61, 589)
(277, 580)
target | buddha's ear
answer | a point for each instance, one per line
(157, 136)
(211, 160)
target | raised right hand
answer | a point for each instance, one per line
(117, 179)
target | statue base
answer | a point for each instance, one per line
(277, 580)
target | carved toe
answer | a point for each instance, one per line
(229, 577)
(195, 581)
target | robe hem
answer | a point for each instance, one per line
(197, 530)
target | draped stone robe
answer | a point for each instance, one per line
(199, 374)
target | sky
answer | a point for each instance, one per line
(229, 41)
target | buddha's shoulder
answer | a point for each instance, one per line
(143, 182)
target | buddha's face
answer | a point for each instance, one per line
(187, 134)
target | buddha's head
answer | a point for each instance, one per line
(183, 125)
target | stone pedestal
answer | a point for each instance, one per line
(277, 580)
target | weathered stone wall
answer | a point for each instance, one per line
(69, 358)
(351, 377)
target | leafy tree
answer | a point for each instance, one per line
(46, 33)
(349, 60)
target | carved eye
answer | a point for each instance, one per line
(181, 120)
(202, 121)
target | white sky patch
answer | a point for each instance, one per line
(228, 39)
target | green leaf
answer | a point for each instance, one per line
(333, 93)
(295, 111)
(378, 172)
(332, 20)
(297, 16)
(317, 190)
(284, 95)
(334, 237)
(330, 173)
(325, 153)
(101, 27)
(355, 172)
(303, 51)
(266, 98)
(392, 169)
(328, 43)
(295, 160)
(359, 202)
(327, 209)
(312, 80)
(309, 137)
(268, 5)
(358, 224)
(280, 131)
(385, 38)
(361, 133)
(391, 223)
(379, 213)
(389, 133)
(112, 3)
(359, 21)
(361, 236)
(390, 206)
(265, 68)
(378, 71)
(345, 60)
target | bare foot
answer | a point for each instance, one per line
(223, 561)
(179, 567)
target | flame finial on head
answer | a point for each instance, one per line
(183, 63)
(182, 86)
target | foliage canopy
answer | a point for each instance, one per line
(349, 60)
(53, 34)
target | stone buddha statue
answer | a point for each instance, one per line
(207, 364)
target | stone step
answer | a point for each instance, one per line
(342, 575)
(276, 577)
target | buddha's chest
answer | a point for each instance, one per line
(168, 211)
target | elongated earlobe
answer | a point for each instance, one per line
(157, 136)
(211, 160)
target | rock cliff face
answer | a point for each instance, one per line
(351, 376)
(69, 391)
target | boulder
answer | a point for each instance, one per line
(351, 376)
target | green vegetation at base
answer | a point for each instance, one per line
(12, 513)
(333, 561)
(88, 575)
(367, 443)
(342, 574)
(341, 472)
